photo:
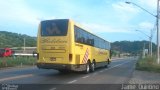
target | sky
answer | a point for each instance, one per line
(113, 20)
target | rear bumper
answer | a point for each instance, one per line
(77, 67)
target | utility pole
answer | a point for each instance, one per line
(158, 31)
(157, 22)
(144, 52)
(24, 43)
(149, 42)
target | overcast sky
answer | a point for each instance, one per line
(113, 20)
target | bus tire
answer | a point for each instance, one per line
(92, 67)
(106, 65)
(87, 70)
(109, 61)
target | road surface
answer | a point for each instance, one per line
(31, 78)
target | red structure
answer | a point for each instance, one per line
(5, 52)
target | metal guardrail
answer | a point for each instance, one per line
(24, 54)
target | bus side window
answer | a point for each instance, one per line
(80, 35)
(92, 42)
(85, 37)
(76, 35)
(89, 39)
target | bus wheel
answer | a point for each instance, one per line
(106, 65)
(92, 67)
(108, 61)
(87, 68)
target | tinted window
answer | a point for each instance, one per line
(90, 39)
(81, 36)
(54, 28)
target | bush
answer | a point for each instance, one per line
(16, 61)
(148, 64)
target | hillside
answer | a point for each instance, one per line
(133, 47)
(9, 39)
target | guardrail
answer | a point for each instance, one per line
(24, 54)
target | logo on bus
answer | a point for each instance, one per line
(102, 52)
(53, 41)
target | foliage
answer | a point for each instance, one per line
(134, 47)
(9, 39)
(16, 61)
(148, 64)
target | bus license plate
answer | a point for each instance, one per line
(53, 59)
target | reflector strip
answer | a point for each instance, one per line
(85, 58)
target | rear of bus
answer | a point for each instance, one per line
(54, 44)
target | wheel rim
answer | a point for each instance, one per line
(92, 66)
(87, 68)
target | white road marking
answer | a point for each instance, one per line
(101, 71)
(72, 81)
(117, 65)
(16, 77)
(85, 76)
(95, 73)
(53, 88)
(118, 60)
(112, 67)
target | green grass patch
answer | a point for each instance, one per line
(16, 61)
(148, 64)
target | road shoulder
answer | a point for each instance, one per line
(6, 69)
(145, 77)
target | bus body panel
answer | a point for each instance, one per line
(100, 55)
(54, 50)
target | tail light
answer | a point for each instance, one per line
(37, 56)
(70, 57)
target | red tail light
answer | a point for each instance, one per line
(37, 56)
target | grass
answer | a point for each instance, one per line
(148, 64)
(16, 61)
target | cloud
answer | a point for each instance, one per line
(124, 12)
(146, 25)
(123, 7)
(101, 28)
(149, 3)
(46, 18)
(18, 12)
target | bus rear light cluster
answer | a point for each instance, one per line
(37, 56)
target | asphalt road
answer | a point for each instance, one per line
(31, 78)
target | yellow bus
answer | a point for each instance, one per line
(64, 45)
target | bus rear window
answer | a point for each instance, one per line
(54, 28)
